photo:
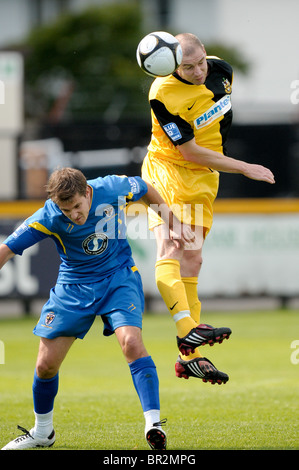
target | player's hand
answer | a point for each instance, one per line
(188, 236)
(259, 173)
(182, 234)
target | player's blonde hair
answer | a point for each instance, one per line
(65, 183)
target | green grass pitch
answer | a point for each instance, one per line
(97, 407)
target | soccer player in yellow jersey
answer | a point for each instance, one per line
(191, 116)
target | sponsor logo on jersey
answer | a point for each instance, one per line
(135, 187)
(172, 131)
(19, 230)
(190, 107)
(95, 244)
(215, 112)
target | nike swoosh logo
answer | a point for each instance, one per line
(171, 308)
(191, 106)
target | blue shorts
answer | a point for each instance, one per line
(72, 308)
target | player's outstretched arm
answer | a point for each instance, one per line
(5, 254)
(216, 161)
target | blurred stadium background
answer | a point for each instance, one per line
(71, 93)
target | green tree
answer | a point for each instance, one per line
(83, 66)
(88, 60)
(230, 54)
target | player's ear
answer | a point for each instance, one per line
(89, 193)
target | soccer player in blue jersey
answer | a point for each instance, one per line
(97, 276)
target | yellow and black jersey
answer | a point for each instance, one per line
(181, 111)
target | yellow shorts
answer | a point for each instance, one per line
(189, 193)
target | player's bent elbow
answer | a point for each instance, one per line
(190, 151)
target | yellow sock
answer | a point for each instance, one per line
(172, 290)
(190, 284)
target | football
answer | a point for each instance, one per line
(159, 54)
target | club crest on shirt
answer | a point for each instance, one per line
(227, 86)
(49, 318)
(95, 244)
(109, 211)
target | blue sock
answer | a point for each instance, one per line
(146, 382)
(44, 393)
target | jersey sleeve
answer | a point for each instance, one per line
(138, 188)
(176, 128)
(131, 188)
(228, 70)
(23, 237)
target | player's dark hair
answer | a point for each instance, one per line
(65, 183)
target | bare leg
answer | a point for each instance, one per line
(131, 343)
(51, 355)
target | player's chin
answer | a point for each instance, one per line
(80, 221)
(199, 81)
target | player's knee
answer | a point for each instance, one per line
(199, 260)
(130, 344)
(132, 347)
(192, 262)
(45, 370)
